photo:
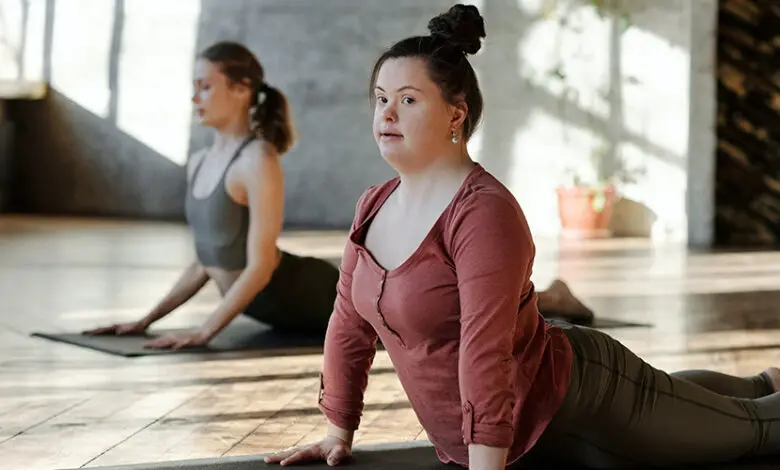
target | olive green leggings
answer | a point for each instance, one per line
(620, 412)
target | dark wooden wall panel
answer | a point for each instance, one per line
(747, 187)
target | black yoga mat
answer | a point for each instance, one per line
(414, 455)
(233, 338)
(401, 456)
(602, 323)
(243, 335)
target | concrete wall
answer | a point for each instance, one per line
(112, 138)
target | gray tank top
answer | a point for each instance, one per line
(219, 225)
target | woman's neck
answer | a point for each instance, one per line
(231, 134)
(440, 176)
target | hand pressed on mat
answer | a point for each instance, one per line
(179, 340)
(130, 328)
(331, 450)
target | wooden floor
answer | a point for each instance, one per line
(67, 407)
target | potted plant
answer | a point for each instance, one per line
(585, 205)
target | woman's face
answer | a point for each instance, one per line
(217, 101)
(413, 123)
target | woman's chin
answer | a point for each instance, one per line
(207, 121)
(391, 156)
(401, 162)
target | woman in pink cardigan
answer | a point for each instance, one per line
(438, 266)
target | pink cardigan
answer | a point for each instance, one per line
(460, 322)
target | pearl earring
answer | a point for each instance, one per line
(454, 137)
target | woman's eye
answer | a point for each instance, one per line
(408, 100)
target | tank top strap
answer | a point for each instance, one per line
(241, 147)
(236, 154)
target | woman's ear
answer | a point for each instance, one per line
(244, 90)
(460, 112)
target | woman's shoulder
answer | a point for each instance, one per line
(485, 212)
(257, 150)
(485, 201)
(258, 157)
(483, 189)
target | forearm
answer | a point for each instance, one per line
(189, 283)
(487, 458)
(248, 284)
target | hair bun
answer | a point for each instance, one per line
(462, 26)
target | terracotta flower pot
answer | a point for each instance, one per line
(585, 212)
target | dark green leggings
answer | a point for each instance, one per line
(620, 412)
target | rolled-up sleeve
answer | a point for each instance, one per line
(493, 254)
(349, 350)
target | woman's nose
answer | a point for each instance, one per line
(389, 113)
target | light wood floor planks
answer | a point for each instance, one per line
(66, 407)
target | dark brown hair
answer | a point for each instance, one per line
(271, 115)
(454, 34)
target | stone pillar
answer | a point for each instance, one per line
(700, 199)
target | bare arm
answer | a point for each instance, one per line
(189, 283)
(265, 195)
(487, 458)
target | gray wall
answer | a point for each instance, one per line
(321, 53)
(112, 138)
(69, 161)
(72, 160)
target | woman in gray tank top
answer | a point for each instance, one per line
(234, 207)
